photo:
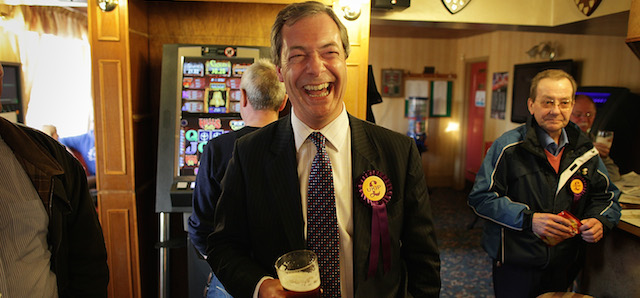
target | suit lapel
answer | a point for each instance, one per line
(364, 156)
(284, 182)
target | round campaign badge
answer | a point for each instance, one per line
(577, 186)
(373, 188)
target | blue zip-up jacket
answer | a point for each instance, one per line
(516, 180)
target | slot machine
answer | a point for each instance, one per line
(199, 100)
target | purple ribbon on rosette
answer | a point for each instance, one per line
(375, 191)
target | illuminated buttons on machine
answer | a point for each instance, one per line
(182, 185)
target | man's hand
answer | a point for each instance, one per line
(591, 230)
(551, 225)
(603, 150)
(271, 288)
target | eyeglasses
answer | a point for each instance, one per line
(564, 104)
(580, 115)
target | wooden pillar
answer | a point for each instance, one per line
(358, 62)
(118, 50)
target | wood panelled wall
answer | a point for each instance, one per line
(412, 55)
(604, 60)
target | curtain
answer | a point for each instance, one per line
(54, 51)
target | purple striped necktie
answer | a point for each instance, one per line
(322, 222)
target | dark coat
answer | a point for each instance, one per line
(213, 165)
(78, 253)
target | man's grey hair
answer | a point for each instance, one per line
(296, 11)
(264, 89)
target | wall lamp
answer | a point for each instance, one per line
(546, 50)
(107, 5)
(351, 9)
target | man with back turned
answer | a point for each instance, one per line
(532, 174)
(263, 96)
(268, 206)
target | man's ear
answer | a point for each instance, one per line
(279, 72)
(243, 99)
(284, 102)
(530, 105)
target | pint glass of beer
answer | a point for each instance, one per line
(299, 274)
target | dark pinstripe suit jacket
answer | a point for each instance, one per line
(259, 215)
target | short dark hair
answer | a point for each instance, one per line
(296, 11)
(264, 89)
(554, 74)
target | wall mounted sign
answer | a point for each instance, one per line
(392, 82)
(455, 6)
(440, 99)
(499, 94)
(587, 7)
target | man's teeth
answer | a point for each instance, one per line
(316, 87)
(312, 90)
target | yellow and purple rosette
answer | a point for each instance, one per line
(375, 190)
(578, 187)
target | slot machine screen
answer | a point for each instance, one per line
(11, 98)
(195, 131)
(199, 101)
(212, 86)
(599, 98)
(210, 105)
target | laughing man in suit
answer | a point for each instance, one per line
(262, 212)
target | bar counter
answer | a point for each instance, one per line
(612, 266)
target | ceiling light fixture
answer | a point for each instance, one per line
(107, 5)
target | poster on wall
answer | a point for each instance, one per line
(499, 94)
(392, 82)
(440, 99)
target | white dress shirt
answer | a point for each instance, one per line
(338, 146)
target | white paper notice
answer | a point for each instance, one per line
(416, 88)
(440, 97)
(481, 98)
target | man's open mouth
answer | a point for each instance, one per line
(319, 90)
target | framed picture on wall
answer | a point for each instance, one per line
(392, 82)
(440, 99)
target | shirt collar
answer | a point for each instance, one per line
(335, 132)
(549, 144)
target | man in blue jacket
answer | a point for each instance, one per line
(52, 243)
(263, 96)
(530, 175)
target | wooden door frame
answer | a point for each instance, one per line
(460, 181)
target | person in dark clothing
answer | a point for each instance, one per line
(53, 242)
(531, 176)
(583, 114)
(263, 97)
